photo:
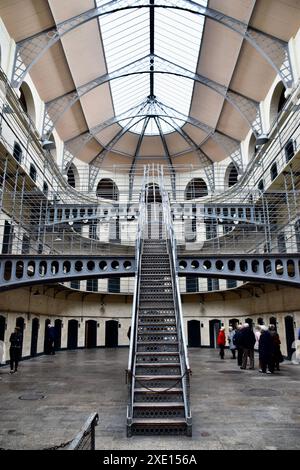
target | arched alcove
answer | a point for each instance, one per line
(278, 101)
(195, 188)
(231, 175)
(107, 189)
(72, 176)
(27, 102)
(252, 148)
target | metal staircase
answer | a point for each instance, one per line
(158, 370)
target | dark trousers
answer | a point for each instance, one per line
(264, 363)
(247, 352)
(14, 354)
(50, 347)
(233, 353)
(239, 356)
(222, 351)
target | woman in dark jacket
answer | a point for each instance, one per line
(15, 349)
(277, 356)
(266, 350)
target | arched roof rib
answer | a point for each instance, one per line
(248, 108)
(31, 49)
(237, 55)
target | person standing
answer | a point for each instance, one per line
(247, 342)
(237, 343)
(50, 339)
(266, 350)
(277, 355)
(15, 349)
(230, 339)
(221, 341)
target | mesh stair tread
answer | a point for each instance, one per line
(157, 364)
(158, 377)
(143, 343)
(167, 421)
(158, 390)
(161, 404)
(155, 353)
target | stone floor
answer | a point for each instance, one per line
(232, 409)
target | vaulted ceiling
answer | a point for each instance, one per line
(87, 53)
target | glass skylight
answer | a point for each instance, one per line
(126, 38)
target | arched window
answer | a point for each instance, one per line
(252, 148)
(277, 102)
(72, 176)
(27, 102)
(196, 188)
(107, 189)
(17, 152)
(32, 172)
(231, 176)
(153, 193)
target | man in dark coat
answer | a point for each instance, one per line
(266, 351)
(50, 338)
(247, 342)
(15, 349)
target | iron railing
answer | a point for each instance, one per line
(85, 439)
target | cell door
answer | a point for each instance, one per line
(20, 322)
(214, 328)
(90, 334)
(57, 337)
(2, 327)
(111, 333)
(194, 334)
(290, 335)
(34, 336)
(72, 334)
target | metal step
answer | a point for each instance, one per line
(158, 410)
(155, 320)
(142, 395)
(159, 328)
(161, 346)
(150, 369)
(158, 426)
